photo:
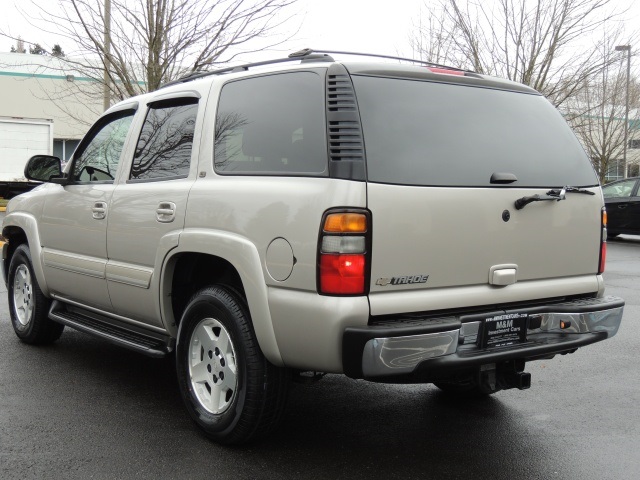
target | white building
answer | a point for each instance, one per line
(44, 87)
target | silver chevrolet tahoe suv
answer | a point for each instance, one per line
(391, 222)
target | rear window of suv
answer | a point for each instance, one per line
(439, 134)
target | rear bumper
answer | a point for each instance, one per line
(430, 349)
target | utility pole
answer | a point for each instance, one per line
(626, 48)
(106, 103)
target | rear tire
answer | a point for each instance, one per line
(229, 388)
(28, 307)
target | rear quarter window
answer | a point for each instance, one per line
(272, 125)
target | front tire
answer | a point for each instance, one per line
(229, 388)
(28, 307)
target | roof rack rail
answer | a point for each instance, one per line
(305, 55)
(244, 67)
(310, 51)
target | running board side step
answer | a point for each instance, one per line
(148, 343)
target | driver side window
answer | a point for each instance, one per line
(98, 159)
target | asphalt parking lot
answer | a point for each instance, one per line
(83, 408)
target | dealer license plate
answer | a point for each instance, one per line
(504, 330)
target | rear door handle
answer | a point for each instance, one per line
(622, 206)
(99, 210)
(166, 212)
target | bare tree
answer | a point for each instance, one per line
(541, 43)
(597, 113)
(156, 41)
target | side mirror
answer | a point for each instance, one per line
(43, 168)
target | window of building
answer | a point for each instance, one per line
(634, 143)
(63, 149)
(615, 170)
(166, 140)
(272, 125)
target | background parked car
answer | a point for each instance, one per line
(623, 206)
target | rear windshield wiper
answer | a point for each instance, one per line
(555, 194)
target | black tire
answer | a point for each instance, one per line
(230, 389)
(28, 307)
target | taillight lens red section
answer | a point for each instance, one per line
(342, 274)
(603, 241)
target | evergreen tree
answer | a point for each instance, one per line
(36, 49)
(56, 51)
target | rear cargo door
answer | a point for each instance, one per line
(446, 163)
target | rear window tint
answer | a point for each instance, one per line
(272, 125)
(427, 133)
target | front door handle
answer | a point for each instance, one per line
(99, 210)
(166, 212)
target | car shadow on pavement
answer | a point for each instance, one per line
(105, 409)
(349, 429)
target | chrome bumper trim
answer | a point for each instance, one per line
(401, 355)
(383, 356)
(604, 321)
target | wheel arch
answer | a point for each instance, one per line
(19, 228)
(205, 257)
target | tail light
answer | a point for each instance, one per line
(343, 253)
(603, 242)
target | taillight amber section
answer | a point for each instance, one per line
(345, 223)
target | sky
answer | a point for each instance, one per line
(375, 26)
(379, 26)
